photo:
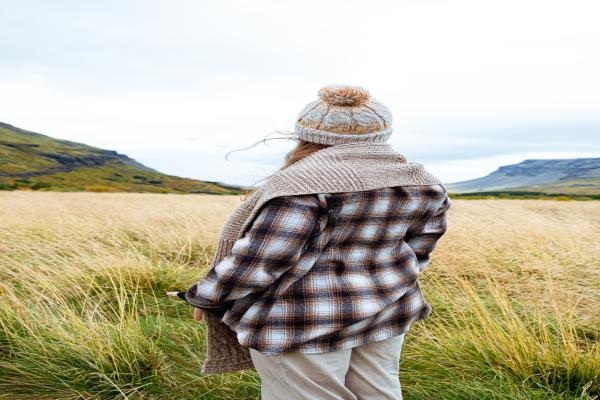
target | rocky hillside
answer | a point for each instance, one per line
(568, 176)
(30, 160)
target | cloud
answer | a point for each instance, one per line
(177, 85)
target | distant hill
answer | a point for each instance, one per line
(579, 176)
(29, 160)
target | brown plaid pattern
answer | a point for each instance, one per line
(323, 272)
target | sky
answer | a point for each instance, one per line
(472, 85)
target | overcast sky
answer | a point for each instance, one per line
(472, 85)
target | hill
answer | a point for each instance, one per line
(30, 160)
(579, 176)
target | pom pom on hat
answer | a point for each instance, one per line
(344, 95)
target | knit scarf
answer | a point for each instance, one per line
(348, 167)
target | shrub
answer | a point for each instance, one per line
(99, 189)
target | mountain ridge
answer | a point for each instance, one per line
(566, 176)
(30, 160)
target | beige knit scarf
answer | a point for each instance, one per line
(348, 167)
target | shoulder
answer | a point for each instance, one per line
(430, 198)
(429, 192)
(289, 213)
(437, 197)
(305, 202)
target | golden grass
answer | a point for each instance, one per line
(539, 251)
(514, 285)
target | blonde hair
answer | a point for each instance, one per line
(302, 149)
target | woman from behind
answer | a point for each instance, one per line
(314, 282)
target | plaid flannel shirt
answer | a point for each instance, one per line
(323, 272)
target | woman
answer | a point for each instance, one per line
(314, 279)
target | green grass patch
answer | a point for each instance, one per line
(522, 195)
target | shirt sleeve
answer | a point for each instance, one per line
(423, 237)
(275, 240)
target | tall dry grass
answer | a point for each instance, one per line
(514, 286)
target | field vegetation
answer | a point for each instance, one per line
(514, 286)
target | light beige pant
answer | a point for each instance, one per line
(365, 372)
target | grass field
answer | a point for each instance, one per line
(514, 285)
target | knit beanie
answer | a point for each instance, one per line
(344, 114)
